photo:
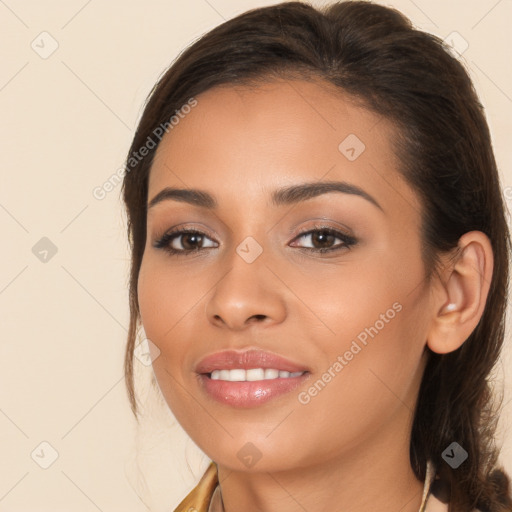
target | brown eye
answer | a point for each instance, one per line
(323, 238)
(188, 241)
(183, 241)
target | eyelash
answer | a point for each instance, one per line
(167, 238)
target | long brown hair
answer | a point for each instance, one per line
(408, 76)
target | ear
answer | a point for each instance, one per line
(459, 301)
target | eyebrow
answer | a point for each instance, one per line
(285, 196)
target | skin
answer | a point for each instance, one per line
(348, 448)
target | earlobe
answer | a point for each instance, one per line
(450, 307)
(459, 301)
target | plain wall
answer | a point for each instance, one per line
(67, 120)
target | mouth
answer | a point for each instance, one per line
(250, 378)
(252, 374)
(252, 360)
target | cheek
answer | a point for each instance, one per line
(165, 299)
(163, 305)
(152, 304)
(171, 303)
(349, 298)
(374, 313)
(376, 291)
(370, 377)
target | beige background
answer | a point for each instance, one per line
(67, 120)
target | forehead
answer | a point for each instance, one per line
(256, 138)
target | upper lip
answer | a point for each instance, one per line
(252, 358)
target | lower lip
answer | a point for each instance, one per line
(249, 394)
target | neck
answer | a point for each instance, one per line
(375, 475)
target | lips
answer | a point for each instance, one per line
(246, 360)
(243, 393)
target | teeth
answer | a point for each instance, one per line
(270, 373)
(240, 375)
(254, 374)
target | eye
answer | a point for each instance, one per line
(183, 241)
(187, 241)
(323, 237)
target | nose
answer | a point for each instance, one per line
(248, 293)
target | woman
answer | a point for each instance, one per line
(320, 260)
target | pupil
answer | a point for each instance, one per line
(187, 239)
(322, 237)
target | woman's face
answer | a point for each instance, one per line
(354, 319)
